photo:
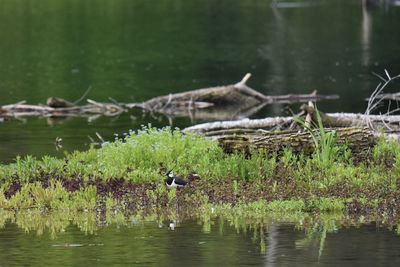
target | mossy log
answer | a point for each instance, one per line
(357, 139)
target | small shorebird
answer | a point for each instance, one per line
(174, 181)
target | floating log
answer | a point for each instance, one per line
(60, 108)
(236, 94)
(235, 97)
(227, 102)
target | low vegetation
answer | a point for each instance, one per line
(127, 175)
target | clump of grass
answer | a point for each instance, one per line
(325, 146)
(287, 206)
(139, 156)
(54, 197)
(325, 204)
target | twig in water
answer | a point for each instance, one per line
(100, 138)
(83, 96)
(114, 101)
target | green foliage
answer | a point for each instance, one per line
(84, 199)
(144, 156)
(54, 197)
(139, 156)
(236, 188)
(385, 150)
(286, 206)
(171, 194)
(27, 169)
(325, 148)
(324, 204)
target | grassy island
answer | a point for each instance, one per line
(128, 175)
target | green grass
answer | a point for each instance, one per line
(140, 157)
(325, 147)
(54, 197)
(326, 181)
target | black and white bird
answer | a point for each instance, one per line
(174, 181)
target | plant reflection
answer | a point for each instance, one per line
(263, 230)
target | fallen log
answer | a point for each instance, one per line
(228, 102)
(60, 108)
(267, 123)
(237, 96)
(360, 132)
(383, 123)
(359, 140)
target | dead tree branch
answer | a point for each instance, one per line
(238, 99)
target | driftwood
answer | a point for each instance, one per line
(222, 102)
(228, 102)
(58, 107)
(237, 94)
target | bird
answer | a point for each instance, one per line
(171, 225)
(174, 181)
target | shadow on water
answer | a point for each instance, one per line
(168, 238)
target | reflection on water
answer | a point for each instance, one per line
(41, 239)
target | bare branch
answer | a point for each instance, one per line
(83, 96)
(387, 74)
(377, 97)
(379, 76)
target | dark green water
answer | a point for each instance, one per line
(132, 50)
(191, 244)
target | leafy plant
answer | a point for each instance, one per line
(325, 148)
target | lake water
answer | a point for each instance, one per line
(193, 244)
(132, 50)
